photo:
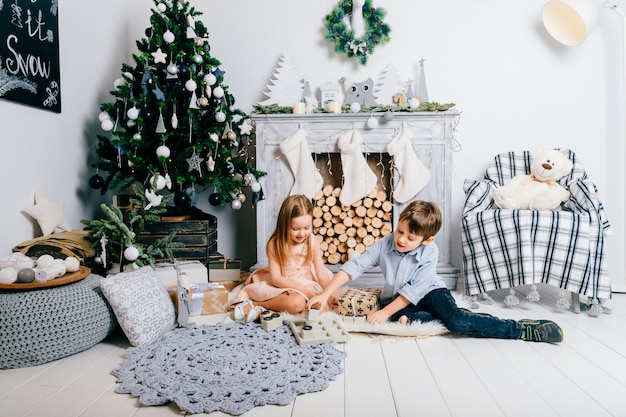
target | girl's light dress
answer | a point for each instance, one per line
(258, 286)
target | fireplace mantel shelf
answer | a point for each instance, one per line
(433, 141)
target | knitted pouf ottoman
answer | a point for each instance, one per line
(44, 325)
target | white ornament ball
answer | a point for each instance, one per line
(241, 197)
(355, 107)
(45, 261)
(104, 116)
(210, 79)
(203, 101)
(372, 122)
(163, 151)
(414, 103)
(237, 176)
(107, 125)
(218, 92)
(172, 69)
(220, 116)
(16, 260)
(161, 7)
(71, 263)
(133, 113)
(131, 123)
(131, 253)
(119, 82)
(249, 179)
(255, 187)
(235, 205)
(8, 275)
(168, 36)
(388, 116)
(137, 136)
(197, 59)
(214, 136)
(158, 181)
(191, 85)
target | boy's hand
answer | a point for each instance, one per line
(377, 317)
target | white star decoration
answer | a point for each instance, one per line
(245, 128)
(159, 56)
(48, 214)
(194, 162)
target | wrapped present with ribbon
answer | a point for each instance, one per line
(359, 301)
(199, 299)
(221, 269)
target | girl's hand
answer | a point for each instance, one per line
(320, 301)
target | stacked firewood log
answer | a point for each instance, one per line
(347, 231)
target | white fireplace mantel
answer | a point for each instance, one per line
(433, 141)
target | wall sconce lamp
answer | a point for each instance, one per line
(569, 22)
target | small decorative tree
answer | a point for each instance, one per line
(115, 237)
(173, 123)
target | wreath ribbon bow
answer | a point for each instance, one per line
(358, 48)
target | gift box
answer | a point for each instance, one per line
(196, 273)
(359, 301)
(224, 269)
(193, 300)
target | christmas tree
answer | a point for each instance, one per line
(173, 124)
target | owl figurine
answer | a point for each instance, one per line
(362, 93)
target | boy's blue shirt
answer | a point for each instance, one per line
(412, 274)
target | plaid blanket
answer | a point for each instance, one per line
(507, 248)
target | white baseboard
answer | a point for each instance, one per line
(620, 288)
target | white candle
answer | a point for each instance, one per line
(299, 108)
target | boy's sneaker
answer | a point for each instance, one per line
(541, 331)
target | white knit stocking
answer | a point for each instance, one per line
(358, 178)
(307, 179)
(414, 175)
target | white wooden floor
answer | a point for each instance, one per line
(438, 376)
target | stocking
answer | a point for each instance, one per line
(359, 179)
(307, 179)
(414, 175)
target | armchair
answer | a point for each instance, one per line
(509, 248)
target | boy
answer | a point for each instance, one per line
(413, 291)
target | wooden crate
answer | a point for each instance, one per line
(199, 237)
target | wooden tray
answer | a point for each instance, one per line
(82, 273)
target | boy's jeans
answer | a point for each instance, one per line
(440, 305)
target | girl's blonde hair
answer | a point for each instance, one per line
(293, 206)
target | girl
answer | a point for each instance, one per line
(295, 271)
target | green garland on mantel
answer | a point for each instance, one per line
(338, 33)
(424, 107)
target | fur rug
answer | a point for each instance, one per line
(416, 329)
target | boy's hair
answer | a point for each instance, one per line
(293, 206)
(424, 218)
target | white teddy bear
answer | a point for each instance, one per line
(539, 190)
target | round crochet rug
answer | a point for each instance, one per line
(226, 367)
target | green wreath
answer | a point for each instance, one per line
(337, 31)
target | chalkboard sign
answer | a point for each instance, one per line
(29, 53)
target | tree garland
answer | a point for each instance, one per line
(343, 38)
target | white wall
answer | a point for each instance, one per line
(515, 86)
